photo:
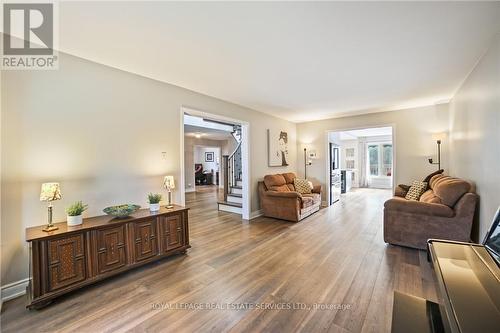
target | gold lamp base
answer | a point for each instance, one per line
(50, 228)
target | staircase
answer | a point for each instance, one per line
(232, 172)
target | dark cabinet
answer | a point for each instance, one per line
(172, 232)
(71, 257)
(111, 249)
(66, 261)
(145, 241)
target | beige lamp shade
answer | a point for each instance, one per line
(50, 192)
(439, 136)
(169, 183)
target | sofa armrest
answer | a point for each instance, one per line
(316, 189)
(277, 194)
(417, 207)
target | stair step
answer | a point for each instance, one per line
(230, 207)
(232, 204)
(238, 195)
(237, 187)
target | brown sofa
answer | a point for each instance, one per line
(279, 199)
(445, 211)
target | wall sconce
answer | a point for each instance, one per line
(438, 137)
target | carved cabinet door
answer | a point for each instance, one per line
(172, 232)
(145, 241)
(111, 249)
(66, 261)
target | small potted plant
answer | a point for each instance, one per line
(74, 212)
(154, 202)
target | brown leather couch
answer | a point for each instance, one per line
(279, 199)
(445, 211)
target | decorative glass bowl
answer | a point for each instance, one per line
(121, 211)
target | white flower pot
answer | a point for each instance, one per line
(154, 207)
(74, 220)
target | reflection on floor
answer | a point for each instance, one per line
(331, 271)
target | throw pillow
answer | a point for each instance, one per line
(428, 178)
(417, 188)
(302, 186)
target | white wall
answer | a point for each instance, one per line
(413, 141)
(475, 134)
(199, 157)
(100, 132)
(189, 152)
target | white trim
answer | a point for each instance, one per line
(182, 180)
(245, 154)
(327, 153)
(229, 209)
(256, 214)
(14, 289)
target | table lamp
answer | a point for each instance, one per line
(169, 184)
(50, 192)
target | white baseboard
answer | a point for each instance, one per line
(188, 190)
(14, 289)
(256, 214)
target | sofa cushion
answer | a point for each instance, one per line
(449, 189)
(302, 186)
(276, 183)
(281, 188)
(307, 202)
(420, 208)
(417, 188)
(429, 197)
(289, 177)
(315, 196)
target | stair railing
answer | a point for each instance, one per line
(229, 173)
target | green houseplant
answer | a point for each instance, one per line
(154, 201)
(74, 212)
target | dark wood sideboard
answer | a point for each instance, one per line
(72, 257)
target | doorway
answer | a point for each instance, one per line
(211, 140)
(359, 158)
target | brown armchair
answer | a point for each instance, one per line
(279, 199)
(445, 211)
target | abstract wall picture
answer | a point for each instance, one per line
(277, 142)
(209, 156)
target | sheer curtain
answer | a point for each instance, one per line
(362, 153)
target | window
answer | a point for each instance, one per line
(387, 160)
(380, 159)
(373, 159)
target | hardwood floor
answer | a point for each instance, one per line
(336, 257)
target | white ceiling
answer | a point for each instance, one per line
(206, 133)
(366, 132)
(297, 60)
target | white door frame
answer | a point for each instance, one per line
(245, 152)
(327, 153)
